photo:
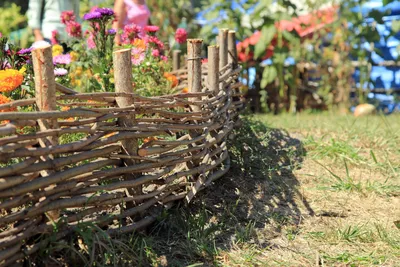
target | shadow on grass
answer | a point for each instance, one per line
(257, 195)
(250, 206)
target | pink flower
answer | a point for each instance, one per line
(62, 59)
(137, 56)
(54, 37)
(151, 28)
(74, 29)
(154, 40)
(1, 35)
(155, 53)
(164, 58)
(67, 16)
(180, 35)
(90, 42)
(131, 32)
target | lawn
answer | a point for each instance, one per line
(303, 190)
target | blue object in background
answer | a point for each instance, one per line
(382, 78)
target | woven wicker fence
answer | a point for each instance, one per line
(113, 159)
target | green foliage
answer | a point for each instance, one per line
(267, 34)
(269, 75)
(170, 15)
(11, 18)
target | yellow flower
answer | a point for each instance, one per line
(10, 79)
(74, 56)
(22, 70)
(57, 50)
(78, 71)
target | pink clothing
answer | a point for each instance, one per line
(136, 14)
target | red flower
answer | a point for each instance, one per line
(151, 28)
(67, 16)
(54, 37)
(154, 40)
(131, 32)
(74, 29)
(180, 35)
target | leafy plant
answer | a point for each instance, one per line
(11, 18)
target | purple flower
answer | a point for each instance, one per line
(105, 11)
(62, 59)
(25, 51)
(92, 16)
(60, 72)
(111, 32)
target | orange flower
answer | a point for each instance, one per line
(185, 90)
(65, 108)
(139, 43)
(5, 100)
(148, 139)
(10, 79)
(171, 78)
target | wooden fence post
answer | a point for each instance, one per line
(223, 48)
(123, 84)
(176, 59)
(194, 86)
(232, 51)
(45, 84)
(213, 68)
(45, 91)
(194, 65)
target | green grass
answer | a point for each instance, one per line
(299, 186)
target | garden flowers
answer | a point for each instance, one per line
(172, 79)
(74, 29)
(62, 59)
(57, 50)
(60, 71)
(25, 51)
(138, 56)
(5, 100)
(131, 33)
(180, 36)
(67, 16)
(99, 13)
(10, 79)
